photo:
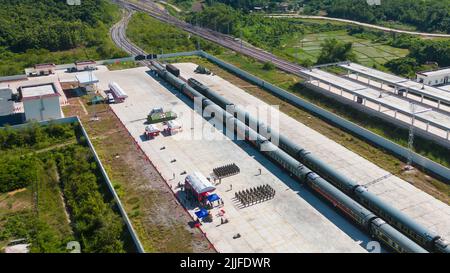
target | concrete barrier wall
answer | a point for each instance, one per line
(179, 54)
(13, 78)
(380, 141)
(122, 211)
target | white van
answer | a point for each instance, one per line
(110, 98)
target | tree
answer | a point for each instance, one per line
(403, 66)
(335, 51)
(268, 66)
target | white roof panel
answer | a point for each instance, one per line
(440, 72)
(39, 90)
(387, 77)
(199, 183)
(419, 88)
(86, 78)
(388, 100)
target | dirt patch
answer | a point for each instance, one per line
(11, 193)
(15, 201)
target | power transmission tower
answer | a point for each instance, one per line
(408, 166)
(412, 107)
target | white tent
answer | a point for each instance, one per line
(199, 183)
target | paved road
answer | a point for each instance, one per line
(424, 34)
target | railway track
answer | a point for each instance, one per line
(222, 39)
(118, 35)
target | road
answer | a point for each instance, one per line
(222, 39)
(387, 29)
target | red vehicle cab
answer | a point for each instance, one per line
(151, 131)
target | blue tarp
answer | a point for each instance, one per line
(213, 197)
(202, 213)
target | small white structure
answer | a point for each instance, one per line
(85, 65)
(434, 77)
(87, 80)
(173, 127)
(6, 103)
(117, 91)
(40, 102)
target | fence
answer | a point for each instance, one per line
(122, 211)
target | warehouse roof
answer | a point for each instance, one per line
(44, 66)
(438, 72)
(412, 86)
(37, 91)
(86, 78)
(402, 105)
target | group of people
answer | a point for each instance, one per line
(255, 195)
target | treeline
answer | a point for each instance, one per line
(248, 5)
(37, 31)
(52, 24)
(16, 172)
(430, 15)
(36, 136)
(96, 224)
(258, 30)
(423, 53)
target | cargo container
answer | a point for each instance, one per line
(173, 70)
(117, 91)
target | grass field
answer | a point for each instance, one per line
(367, 52)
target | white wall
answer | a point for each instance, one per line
(45, 109)
(433, 80)
(6, 105)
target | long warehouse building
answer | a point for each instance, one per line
(432, 124)
(402, 86)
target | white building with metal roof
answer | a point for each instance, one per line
(40, 102)
(434, 77)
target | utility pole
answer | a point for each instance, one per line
(412, 107)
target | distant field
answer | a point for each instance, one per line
(367, 52)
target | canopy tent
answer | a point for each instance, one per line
(202, 213)
(213, 197)
(86, 78)
(199, 184)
